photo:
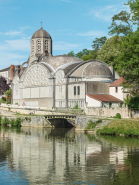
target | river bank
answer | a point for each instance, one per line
(121, 127)
(99, 125)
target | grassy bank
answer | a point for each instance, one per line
(126, 127)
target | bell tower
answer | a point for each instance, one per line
(40, 44)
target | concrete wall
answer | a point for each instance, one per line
(107, 112)
(97, 87)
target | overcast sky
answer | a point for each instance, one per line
(72, 24)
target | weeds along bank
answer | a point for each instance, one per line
(122, 127)
(6, 122)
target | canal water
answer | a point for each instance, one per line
(63, 156)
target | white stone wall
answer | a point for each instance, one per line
(34, 87)
(118, 94)
(76, 99)
(71, 95)
(60, 89)
(60, 92)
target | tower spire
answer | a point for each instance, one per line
(41, 24)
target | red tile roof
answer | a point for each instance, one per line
(104, 98)
(118, 82)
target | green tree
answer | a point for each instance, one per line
(82, 53)
(8, 94)
(128, 62)
(110, 50)
(71, 54)
(121, 24)
(134, 9)
(98, 43)
(87, 57)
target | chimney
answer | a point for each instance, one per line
(12, 72)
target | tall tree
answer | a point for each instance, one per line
(121, 24)
(98, 43)
(82, 53)
(128, 61)
(110, 50)
(134, 8)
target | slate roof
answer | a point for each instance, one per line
(41, 33)
(117, 83)
(60, 60)
(104, 98)
(97, 69)
(6, 69)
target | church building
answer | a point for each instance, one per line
(62, 81)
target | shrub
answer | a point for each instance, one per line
(12, 121)
(76, 106)
(106, 130)
(3, 100)
(99, 121)
(118, 115)
(9, 108)
(28, 118)
(17, 122)
(5, 122)
(92, 125)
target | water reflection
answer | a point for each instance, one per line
(63, 156)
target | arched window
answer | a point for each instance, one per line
(46, 45)
(38, 46)
(32, 46)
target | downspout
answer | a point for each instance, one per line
(67, 81)
(54, 92)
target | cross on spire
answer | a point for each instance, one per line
(41, 24)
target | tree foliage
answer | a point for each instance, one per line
(8, 94)
(128, 60)
(98, 43)
(71, 54)
(110, 50)
(134, 10)
(121, 24)
(122, 49)
(3, 85)
(86, 54)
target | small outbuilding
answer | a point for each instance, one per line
(102, 100)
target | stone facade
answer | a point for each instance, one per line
(58, 81)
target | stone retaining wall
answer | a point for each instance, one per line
(82, 121)
(36, 121)
(107, 112)
(92, 111)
